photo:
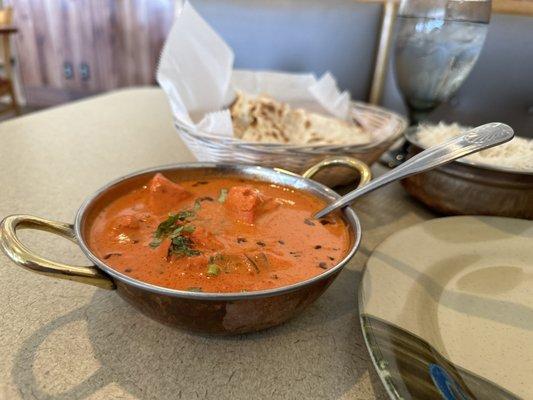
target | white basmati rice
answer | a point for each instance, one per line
(516, 154)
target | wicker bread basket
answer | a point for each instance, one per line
(385, 127)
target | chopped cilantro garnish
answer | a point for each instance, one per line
(213, 269)
(197, 206)
(189, 228)
(223, 195)
(155, 242)
(181, 246)
(173, 228)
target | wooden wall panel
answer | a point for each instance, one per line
(119, 40)
(58, 45)
(520, 7)
(137, 30)
(82, 24)
(160, 21)
(141, 35)
(104, 43)
(26, 42)
(69, 38)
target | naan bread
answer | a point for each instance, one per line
(262, 119)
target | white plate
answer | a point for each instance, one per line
(447, 309)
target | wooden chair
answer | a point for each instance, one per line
(7, 77)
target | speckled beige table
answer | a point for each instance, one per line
(63, 340)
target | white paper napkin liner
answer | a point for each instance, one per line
(195, 71)
(282, 86)
(195, 66)
(326, 92)
(218, 123)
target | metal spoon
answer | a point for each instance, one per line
(474, 140)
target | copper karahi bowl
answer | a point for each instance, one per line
(212, 313)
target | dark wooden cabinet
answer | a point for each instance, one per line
(69, 49)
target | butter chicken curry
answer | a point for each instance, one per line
(218, 235)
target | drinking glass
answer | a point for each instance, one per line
(437, 45)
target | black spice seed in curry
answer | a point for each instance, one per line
(128, 270)
(260, 243)
(281, 242)
(331, 258)
(205, 198)
(109, 255)
(325, 221)
(307, 221)
(318, 247)
(322, 265)
(241, 240)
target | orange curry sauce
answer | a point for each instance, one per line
(218, 235)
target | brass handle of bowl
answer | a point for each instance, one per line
(21, 255)
(364, 170)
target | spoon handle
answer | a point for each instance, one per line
(474, 140)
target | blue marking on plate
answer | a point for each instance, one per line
(446, 386)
